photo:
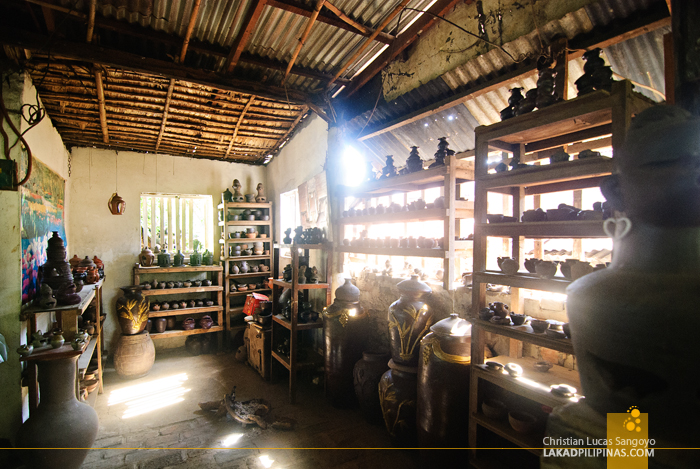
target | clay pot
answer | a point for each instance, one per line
(147, 258)
(546, 269)
(116, 205)
(159, 324)
(366, 376)
(580, 269)
(74, 262)
(170, 323)
(134, 355)
(58, 410)
(179, 259)
(244, 268)
(410, 314)
(149, 326)
(164, 259)
(188, 324)
(345, 328)
(56, 272)
(132, 310)
(397, 398)
(206, 322)
(93, 276)
(508, 265)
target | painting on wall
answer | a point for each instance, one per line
(313, 202)
(42, 203)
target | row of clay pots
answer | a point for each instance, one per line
(395, 243)
(181, 304)
(155, 284)
(160, 325)
(395, 208)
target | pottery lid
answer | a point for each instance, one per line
(55, 241)
(454, 326)
(87, 262)
(348, 292)
(414, 285)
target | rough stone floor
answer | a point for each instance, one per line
(181, 436)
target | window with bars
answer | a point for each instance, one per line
(177, 222)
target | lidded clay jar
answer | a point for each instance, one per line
(409, 319)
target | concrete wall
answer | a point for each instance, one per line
(46, 145)
(115, 239)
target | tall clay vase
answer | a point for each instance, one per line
(134, 355)
(443, 389)
(366, 376)
(409, 320)
(345, 327)
(132, 310)
(60, 421)
(397, 397)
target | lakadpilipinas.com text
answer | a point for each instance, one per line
(596, 448)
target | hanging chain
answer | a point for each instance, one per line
(70, 157)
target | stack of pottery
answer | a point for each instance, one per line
(56, 272)
(545, 88)
(409, 318)
(414, 163)
(389, 170)
(135, 353)
(345, 327)
(596, 75)
(513, 101)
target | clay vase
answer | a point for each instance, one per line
(366, 375)
(195, 259)
(345, 327)
(159, 324)
(58, 411)
(179, 259)
(442, 405)
(147, 258)
(409, 319)
(74, 262)
(397, 398)
(134, 355)
(164, 259)
(132, 310)
(244, 267)
(207, 258)
(170, 323)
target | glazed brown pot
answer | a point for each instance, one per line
(159, 324)
(147, 258)
(58, 411)
(132, 310)
(366, 376)
(170, 323)
(345, 327)
(409, 320)
(134, 355)
(397, 398)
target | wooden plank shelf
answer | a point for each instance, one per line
(177, 291)
(50, 353)
(545, 229)
(593, 167)
(245, 240)
(172, 270)
(301, 286)
(246, 223)
(396, 217)
(244, 205)
(524, 280)
(527, 441)
(84, 360)
(403, 252)
(168, 334)
(313, 359)
(301, 326)
(248, 258)
(86, 296)
(526, 334)
(323, 246)
(248, 275)
(532, 384)
(247, 292)
(179, 311)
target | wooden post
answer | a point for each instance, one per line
(686, 56)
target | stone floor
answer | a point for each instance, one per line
(181, 436)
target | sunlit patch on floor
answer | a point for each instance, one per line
(231, 439)
(266, 461)
(146, 397)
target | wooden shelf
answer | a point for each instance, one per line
(246, 223)
(532, 384)
(411, 182)
(177, 291)
(301, 286)
(545, 229)
(244, 293)
(404, 252)
(167, 334)
(179, 311)
(50, 353)
(524, 280)
(549, 174)
(301, 326)
(248, 258)
(395, 217)
(323, 246)
(526, 334)
(172, 270)
(245, 240)
(86, 296)
(248, 275)
(84, 360)
(244, 205)
(502, 428)
(313, 359)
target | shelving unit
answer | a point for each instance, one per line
(235, 299)
(282, 327)
(577, 120)
(216, 287)
(455, 172)
(67, 318)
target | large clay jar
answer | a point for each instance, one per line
(409, 320)
(56, 272)
(147, 258)
(442, 412)
(397, 397)
(134, 355)
(345, 326)
(366, 375)
(62, 424)
(132, 310)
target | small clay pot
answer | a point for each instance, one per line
(206, 322)
(539, 326)
(188, 324)
(159, 324)
(170, 322)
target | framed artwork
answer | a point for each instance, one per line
(313, 202)
(42, 206)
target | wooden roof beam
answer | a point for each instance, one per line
(166, 108)
(190, 28)
(302, 39)
(101, 104)
(238, 125)
(367, 43)
(303, 10)
(251, 19)
(405, 39)
(283, 139)
(339, 13)
(91, 20)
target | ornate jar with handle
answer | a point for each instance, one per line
(443, 385)
(147, 258)
(409, 320)
(345, 325)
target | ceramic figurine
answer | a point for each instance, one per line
(314, 278)
(261, 194)
(441, 153)
(370, 175)
(389, 170)
(227, 196)
(46, 298)
(596, 75)
(298, 235)
(414, 163)
(25, 350)
(237, 194)
(288, 238)
(302, 274)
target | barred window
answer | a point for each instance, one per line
(177, 221)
